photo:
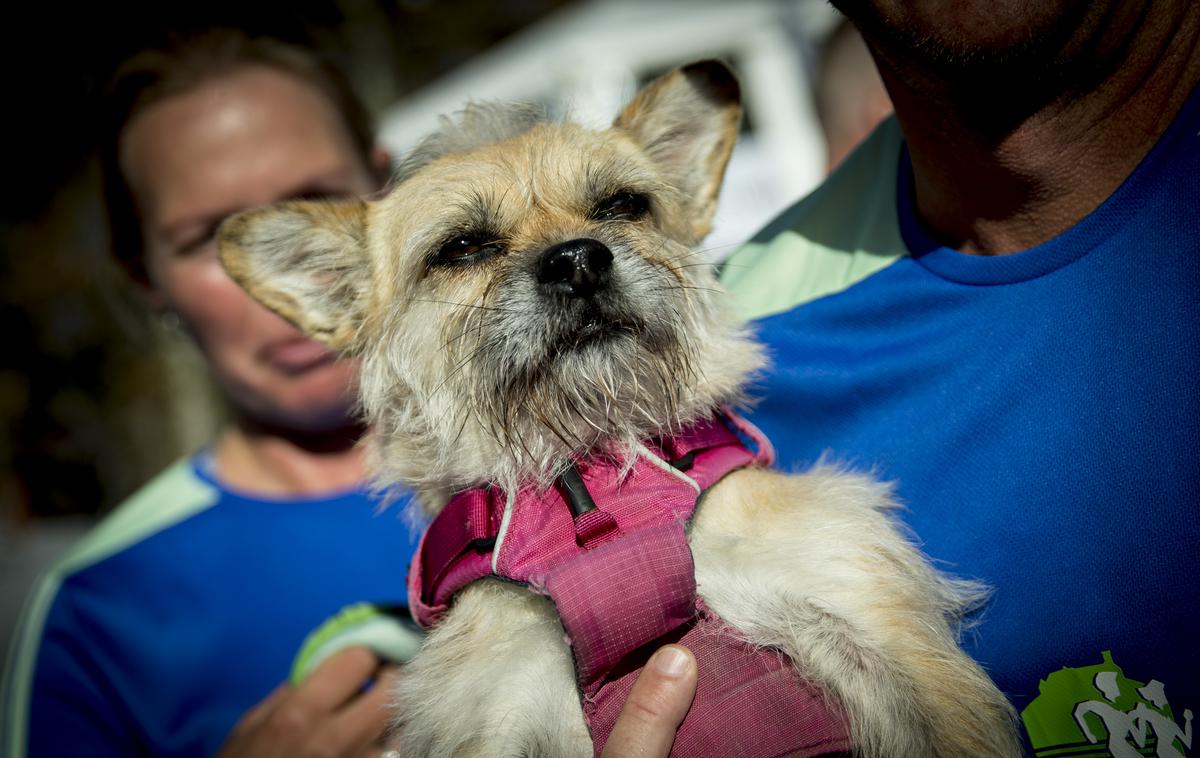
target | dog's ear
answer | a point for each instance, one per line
(307, 261)
(687, 121)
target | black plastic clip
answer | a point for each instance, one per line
(571, 485)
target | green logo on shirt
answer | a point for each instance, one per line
(1098, 711)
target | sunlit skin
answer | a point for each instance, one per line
(1022, 117)
(251, 137)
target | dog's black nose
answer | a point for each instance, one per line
(578, 268)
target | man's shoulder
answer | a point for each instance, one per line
(843, 232)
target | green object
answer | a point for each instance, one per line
(389, 632)
(1101, 698)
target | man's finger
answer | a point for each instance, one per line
(336, 680)
(363, 722)
(656, 706)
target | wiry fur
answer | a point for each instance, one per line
(487, 404)
(478, 124)
(478, 689)
(476, 374)
(815, 566)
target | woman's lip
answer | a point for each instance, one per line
(297, 354)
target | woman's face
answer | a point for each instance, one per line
(252, 137)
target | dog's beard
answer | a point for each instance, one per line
(543, 378)
(599, 381)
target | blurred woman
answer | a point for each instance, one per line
(184, 609)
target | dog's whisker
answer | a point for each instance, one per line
(731, 265)
(698, 264)
(461, 428)
(713, 248)
(477, 351)
(461, 305)
(572, 406)
(689, 287)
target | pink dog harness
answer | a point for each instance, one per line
(611, 551)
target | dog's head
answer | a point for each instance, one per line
(527, 290)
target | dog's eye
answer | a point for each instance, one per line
(466, 248)
(623, 206)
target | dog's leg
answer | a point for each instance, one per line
(494, 678)
(814, 566)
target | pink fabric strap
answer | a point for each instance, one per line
(594, 528)
(456, 548)
(622, 579)
(647, 575)
(471, 528)
(618, 603)
(749, 700)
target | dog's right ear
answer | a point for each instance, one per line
(687, 121)
(307, 261)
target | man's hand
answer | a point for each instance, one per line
(656, 706)
(328, 714)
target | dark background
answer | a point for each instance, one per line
(89, 396)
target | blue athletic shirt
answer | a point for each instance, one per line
(1039, 413)
(185, 608)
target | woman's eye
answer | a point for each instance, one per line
(623, 206)
(466, 248)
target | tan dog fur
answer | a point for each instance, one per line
(473, 373)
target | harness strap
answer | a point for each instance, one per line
(608, 545)
(595, 528)
(624, 599)
(648, 574)
(457, 548)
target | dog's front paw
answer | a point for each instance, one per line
(494, 678)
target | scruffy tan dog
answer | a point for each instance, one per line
(528, 293)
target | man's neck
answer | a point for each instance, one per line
(988, 181)
(267, 462)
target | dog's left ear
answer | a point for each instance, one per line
(307, 261)
(687, 121)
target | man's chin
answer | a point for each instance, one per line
(974, 36)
